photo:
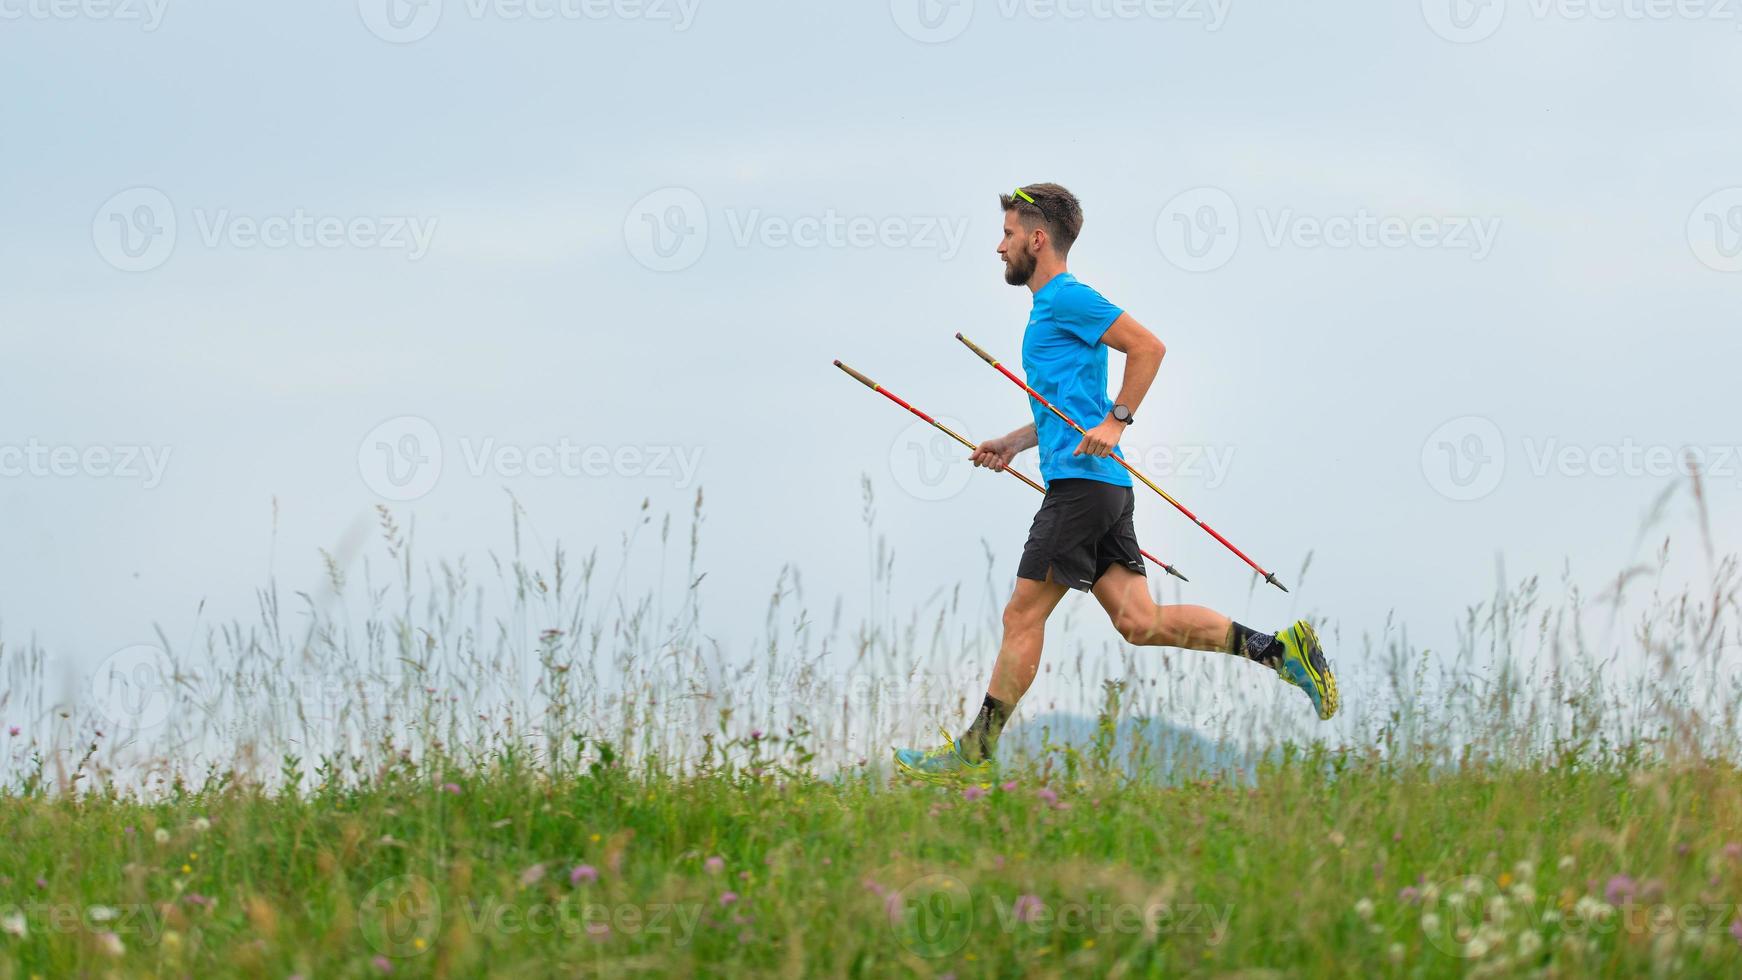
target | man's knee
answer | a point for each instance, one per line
(1137, 628)
(1140, 624)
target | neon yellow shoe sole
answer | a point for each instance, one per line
(1304, 665)
(944, 765)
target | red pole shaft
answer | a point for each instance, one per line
(897, 399)
(989, 359)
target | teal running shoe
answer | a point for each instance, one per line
(1304, 665)
(944, 764)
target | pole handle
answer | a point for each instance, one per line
(978, 350)
(867, 382)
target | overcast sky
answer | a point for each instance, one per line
(1439, 282)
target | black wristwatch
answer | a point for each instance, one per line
(1123, 414)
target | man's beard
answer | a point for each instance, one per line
(1019, 269)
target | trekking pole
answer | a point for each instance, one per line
(989, 359)
(946, 430)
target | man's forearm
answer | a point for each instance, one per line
(1024, 438)
(1141, 366)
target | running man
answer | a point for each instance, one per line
(1082, 537)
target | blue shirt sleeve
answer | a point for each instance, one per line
(1084, 313)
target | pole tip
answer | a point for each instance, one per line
(1271, 578)
(1175, 573)
(959, 335)
(837, 362)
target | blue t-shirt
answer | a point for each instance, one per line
(1066, 362)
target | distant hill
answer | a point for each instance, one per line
(1170, 750)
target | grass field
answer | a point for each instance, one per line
(397, 786)
(1323, 864)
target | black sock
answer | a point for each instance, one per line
(982, 736)
(1264, 648)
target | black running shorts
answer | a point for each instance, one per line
(1082, 529)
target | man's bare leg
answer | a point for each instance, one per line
(1018, 662)
(1295, 653)
(1024, 631)
(1125, 596)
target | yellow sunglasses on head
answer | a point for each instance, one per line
(1024, 195)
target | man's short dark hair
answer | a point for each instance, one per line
(1054, 208)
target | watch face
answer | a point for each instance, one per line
(1122, 413)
